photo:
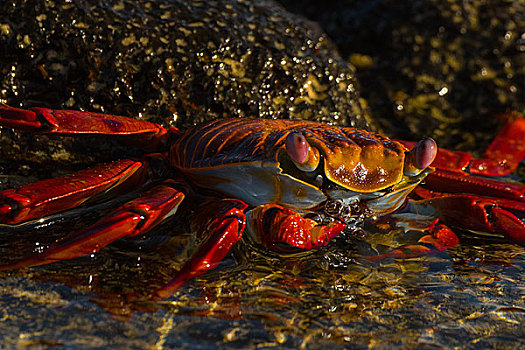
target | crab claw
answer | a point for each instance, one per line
(420, 157)
(284, 230)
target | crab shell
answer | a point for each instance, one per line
(244, 158)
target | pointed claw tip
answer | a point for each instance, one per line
(426, 151)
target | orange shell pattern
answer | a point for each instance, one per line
(356, 159)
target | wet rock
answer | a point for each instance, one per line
(174, 62)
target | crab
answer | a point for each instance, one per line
(294, 185)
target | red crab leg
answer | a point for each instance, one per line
(505, 153)
(221, 232)
(280, 229)
(453, 182)
(473, 212)
(66, 122)
(484, 205)
(51, 196)
(133, 218)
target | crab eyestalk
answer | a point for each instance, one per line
(420, 157)
(304, 157)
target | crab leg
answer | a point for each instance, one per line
(133, 218)
(453, 182)
(280, 229)
(487, 214)
(51, 196)
(221, 232)
(505, 152)
(67, 122)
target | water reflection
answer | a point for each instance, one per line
(330, 296)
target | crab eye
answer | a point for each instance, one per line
(426, 151)
(306, 158)
(297, 147)
(420, 157)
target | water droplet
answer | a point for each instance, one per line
(443, 91)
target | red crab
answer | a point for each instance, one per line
(295, 184)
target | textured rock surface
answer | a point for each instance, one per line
(172, 61)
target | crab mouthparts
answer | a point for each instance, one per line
(352, 207)
(350, 212)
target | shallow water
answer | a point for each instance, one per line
(470, 296)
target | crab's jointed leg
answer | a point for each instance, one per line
(456, 171)
(67, 122)
(221, 224)
(474, 212)
(505, 152)
(501, 158)
(42, 198)
(133, 218)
